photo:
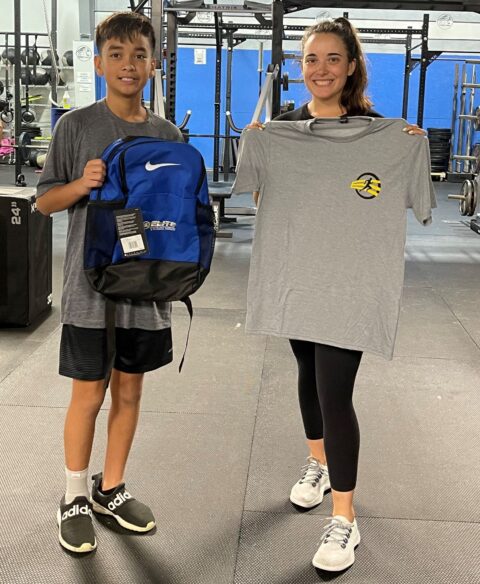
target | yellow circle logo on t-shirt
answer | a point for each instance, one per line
(367, 186)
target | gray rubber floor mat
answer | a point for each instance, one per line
(412, 430)
(190, 469)
(277, 548)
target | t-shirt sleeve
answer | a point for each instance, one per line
(421, 194)
(251, 161)
(60, 157)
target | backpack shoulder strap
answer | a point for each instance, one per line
(188, 304)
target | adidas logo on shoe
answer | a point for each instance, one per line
(135, 516)
(75, 528)
(77, 510)
(119, 499)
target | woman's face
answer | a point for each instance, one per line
(325, 66)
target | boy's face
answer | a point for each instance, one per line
(126, 65)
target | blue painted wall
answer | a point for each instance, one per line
(196, 91)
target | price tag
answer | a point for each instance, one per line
(131, 233)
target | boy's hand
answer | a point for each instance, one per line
(64, 196)
(93, 175)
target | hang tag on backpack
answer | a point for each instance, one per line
(131, 232)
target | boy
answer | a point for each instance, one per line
(125, 43)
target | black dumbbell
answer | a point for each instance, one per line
(26, 76)
(40, 76)
(46, 58)
(67, 58)
(10, 56)
(51, 78)
(28, 116)
(7, 115)
(33, 57)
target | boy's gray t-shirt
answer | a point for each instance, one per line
(328, 253)
(80, 136)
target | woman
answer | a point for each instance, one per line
(334, 72)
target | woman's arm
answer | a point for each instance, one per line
(256, 126)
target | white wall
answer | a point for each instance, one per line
(33, 20)
(464, 33)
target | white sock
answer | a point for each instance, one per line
(76, 484)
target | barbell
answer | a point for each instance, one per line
(468, 197)
(474, 117)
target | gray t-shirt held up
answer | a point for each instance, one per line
(80, 136)
(328, 253)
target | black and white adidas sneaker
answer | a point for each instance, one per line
(75, 528)
(129, 513)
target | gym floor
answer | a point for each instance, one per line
(220, 445)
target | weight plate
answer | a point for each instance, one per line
(434, 140)
(469, 203)
(475, 189)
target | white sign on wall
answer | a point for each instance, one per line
(200, 56)
(84, 72)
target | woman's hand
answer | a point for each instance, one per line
(413, 129)
(255, 126)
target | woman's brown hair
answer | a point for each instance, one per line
(353, 97)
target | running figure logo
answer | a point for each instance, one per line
(367, 183)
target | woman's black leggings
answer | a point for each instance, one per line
(326, 376)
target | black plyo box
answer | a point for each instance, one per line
(25, 258)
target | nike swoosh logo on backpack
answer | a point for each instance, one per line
(149, 166)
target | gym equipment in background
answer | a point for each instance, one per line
(40, 76)
(33, 57)
(8, 55)
(67, 58)
(468, 197)
(27, 116)
(46, 58)
(6, 109)
(464, 126)
(25, 258)
(439, 144)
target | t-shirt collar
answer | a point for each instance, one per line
(322, 127)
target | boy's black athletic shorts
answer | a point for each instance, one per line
(83, 351)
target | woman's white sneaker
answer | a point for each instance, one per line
(337, 548)
(309, 490)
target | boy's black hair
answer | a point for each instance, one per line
(124, 25)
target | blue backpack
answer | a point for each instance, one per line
(150, 228)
